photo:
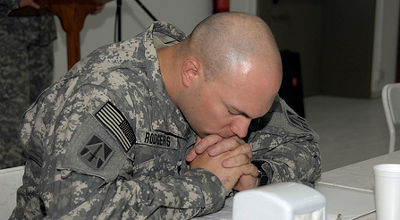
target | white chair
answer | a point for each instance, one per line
(391, 105)
(10, 180)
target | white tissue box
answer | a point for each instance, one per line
(281, 201)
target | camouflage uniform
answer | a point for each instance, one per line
(106, 141)
(26, 65)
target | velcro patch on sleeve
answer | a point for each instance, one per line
(115, 122)
(95, 153)
(155, 138)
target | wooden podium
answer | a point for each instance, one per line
(72, 14)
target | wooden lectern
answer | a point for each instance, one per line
(72, 14)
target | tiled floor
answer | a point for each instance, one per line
(350, 130)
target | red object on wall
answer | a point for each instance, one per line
(221, 5)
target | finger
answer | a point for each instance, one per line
(206, 142)
(225, 145)
(198, 139)
(191, 155)
(242, 149)
(249, 169)
(246, 182)
(245, 149)
(236, 161)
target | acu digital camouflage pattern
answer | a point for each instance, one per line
(26, 68)
(147, 178)
(287, 145)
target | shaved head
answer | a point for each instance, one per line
(225, 73)
(226, 40)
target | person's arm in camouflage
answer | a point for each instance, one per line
(284, 147)
(170, 197)
(68, 188)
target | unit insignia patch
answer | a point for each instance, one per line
(95, 153)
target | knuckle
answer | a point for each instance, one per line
(247, 147)
(242, 159)
(225, 144)
(247, 169)
(214, 138)
(244, 148)
(204, 141)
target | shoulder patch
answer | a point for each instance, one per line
(95, 153)
(114, 121)
(93, 150)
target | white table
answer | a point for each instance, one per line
(358, 176)
(355, 180)
(349, 187)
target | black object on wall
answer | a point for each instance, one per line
(292, 88)
(146, 10)
(117, 25)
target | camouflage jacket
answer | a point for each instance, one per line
(106, 141)
(38, 30)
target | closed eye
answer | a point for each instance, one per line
(235, 112)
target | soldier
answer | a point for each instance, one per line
(164, 127)
(26, 68)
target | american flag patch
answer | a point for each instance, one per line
(113, 119)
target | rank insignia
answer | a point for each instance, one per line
(95, 153)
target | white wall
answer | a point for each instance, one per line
(298, 26)
(98, 30)
(385, 45)
(249, 6)
(294, 15)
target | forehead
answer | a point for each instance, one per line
(252, 94)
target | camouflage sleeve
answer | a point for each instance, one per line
(83, 196)
(72, 186)
(284, 146)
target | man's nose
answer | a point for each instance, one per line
(241, 126)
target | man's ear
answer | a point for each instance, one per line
(191, 70)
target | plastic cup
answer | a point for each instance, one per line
(387, 191)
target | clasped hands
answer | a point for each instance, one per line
(227, 158)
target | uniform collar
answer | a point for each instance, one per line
(171, 119)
